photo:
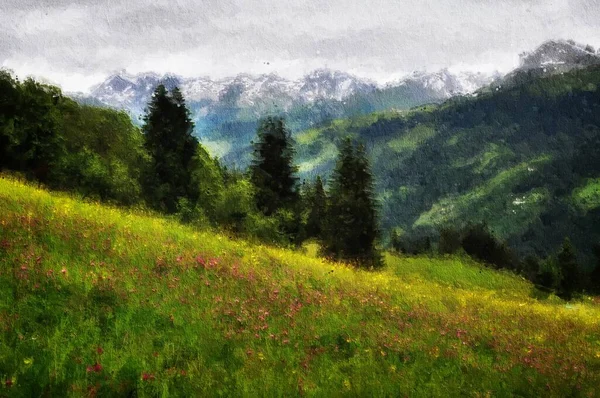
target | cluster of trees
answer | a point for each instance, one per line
(100, 154)
(560, 272)
(343, 220)
(51, 139)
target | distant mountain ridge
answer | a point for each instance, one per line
(132, 92)
(269, 93)
(565, 54)
(550, 58)
(226, 111)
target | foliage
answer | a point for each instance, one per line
(94, 151)
(105, 155)
(190, 213)
(480, 243)
(549, 275)
(316, 204)
(272, 171)
(168, 138)
(352, 229)
(208, 182)
(411, 245)
(594, 280)
(569, 269)
(450, 241)
(31, 120)
(235, 212)
(530, 267)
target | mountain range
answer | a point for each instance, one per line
(132, 92)
(226, 111)
(519, 153)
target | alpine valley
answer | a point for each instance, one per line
(518, 151)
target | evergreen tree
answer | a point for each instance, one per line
(594, 282)
(569, 269)
(317, 207)
(395, 241)
(34, 138)
(352, 216)
(450, 240)
(9, 100)
(168, 138)
(272, 171)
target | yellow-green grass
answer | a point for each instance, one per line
(587, 197)
(326, 154)
(97, 300)
(411, 140)
(492, 153)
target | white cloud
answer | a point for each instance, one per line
(41, 21)
(374, 38)
(69, 81)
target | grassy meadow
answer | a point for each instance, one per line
(99, 301)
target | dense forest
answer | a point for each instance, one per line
(520, 155)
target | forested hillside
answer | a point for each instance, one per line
(522, 157)
(52, 139)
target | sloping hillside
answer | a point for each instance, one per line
(523, 158)
(100, 301)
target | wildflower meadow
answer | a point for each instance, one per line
(100, 301)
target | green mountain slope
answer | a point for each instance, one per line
(523, 158)
(100, 301)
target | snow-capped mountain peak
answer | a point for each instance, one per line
(325, 83)
(444, 83)
(561, 54)
(269, 92)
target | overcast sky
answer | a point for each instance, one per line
(78, 43)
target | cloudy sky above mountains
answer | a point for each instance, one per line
(78, 43)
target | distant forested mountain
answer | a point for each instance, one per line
(522, 155)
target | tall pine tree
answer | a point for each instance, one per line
(569, 269)
(317, 210)
(168, 138)
(352, 215)
(272, 171)
(37, 131)
(594, 280)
